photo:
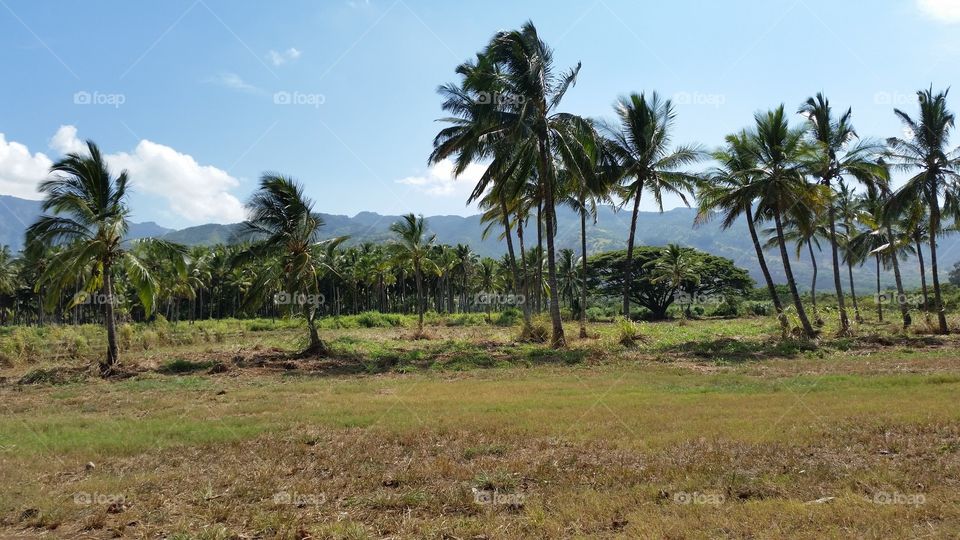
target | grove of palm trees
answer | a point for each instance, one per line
(291, 383)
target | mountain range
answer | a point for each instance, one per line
(609, 232)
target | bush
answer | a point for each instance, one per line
(628, 332)
(760, 309)
(508, 317)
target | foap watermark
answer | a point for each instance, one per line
(299, 299)
(698, 299)
(700, 98)
(494, 98)
(487, 497)
(484, 298)
(697, 497)
(83, 97)
(285, 97)
(84, 298)
(896, 99)
(908, 499)
(299, 499)
(891, 297)
(85, 499)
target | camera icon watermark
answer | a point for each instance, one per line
(700, 98)
(908, 499)
(299, 299)
(299, 499)
(892, 297)
(494, 98)
(696, 497)
(285, 97)
(86, 499)
(484, 298)
(487, 497)
(84, 97)
(894, 99)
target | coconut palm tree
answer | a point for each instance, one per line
(846, 213)
(781, 187)
(641, 146)
(838, 153)
(412, 245)
(806, 234)
(925, 150)
(725, 191)
(675, 267)
(286, 243)
(88, 222)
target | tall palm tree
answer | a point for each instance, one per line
(285, 233)
(89, 222)
(726, 190)
(412, 245)
(937, 168)
(641, 146)
(846, 212)
(806, 234)
(838, 153)
(782, 189)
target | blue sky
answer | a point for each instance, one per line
(198, 97)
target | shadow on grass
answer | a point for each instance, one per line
(738, 351)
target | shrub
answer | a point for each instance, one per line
(508, 317)
(628, 332)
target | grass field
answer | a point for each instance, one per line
(711, 429)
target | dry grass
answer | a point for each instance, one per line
(711, 429)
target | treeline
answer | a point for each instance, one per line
(796, 184)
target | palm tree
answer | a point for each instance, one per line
(641, 146)
(781, 187)
(846, 213)
(676, 267)
(837, 156)
(89, 221)
(285, 233)
(412, 245)
(925, 149)
(726, 190)
(806, 234)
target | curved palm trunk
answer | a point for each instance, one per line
(505, 215)
(901, 295)
(797, 301)
(317, 346)
(628, 269)
(777, 305)
(557, 340)
(923, 273)
(879, 294)
(813, 285)
(583, 285)
(539, 279)
(835, 258)
(525, 275)
(113, 352)
(937, 296)
(853, 293)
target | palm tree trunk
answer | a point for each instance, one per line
(416, 268)
(525, 274)
(853, 293)
(901, 295)
(835, 257)
(628, 269)
(879, 295)
(813, 285)
(937, 296)
(777, 305)
(557, 340)
(317, 346)
(583, 284)
(797, 301)
(505, 215)
(923, 273)
(539, 278)
(113, 352)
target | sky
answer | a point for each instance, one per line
(197, 98)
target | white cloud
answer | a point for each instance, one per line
(234, 82)
(21, 172)
(947, 11)
(439, 180)
(280, 58)
(196, 193)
